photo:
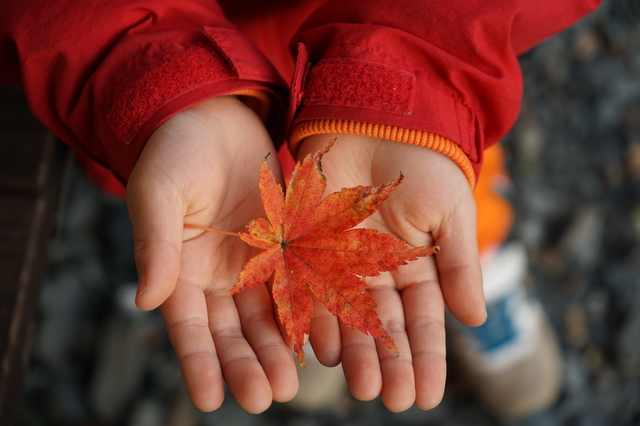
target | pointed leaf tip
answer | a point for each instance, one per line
(314, 250)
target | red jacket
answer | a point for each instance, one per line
(103, 75)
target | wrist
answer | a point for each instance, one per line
(435, 142)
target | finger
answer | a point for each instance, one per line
(325, 336)
(459, 265)
(185, 316)
(439, 202)
(263, 334)
(424, 322)
(424, 313)
(242, 371)
(156, 218)
(398, 381)
(360, 364)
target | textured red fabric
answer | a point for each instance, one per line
(463, 56)
(174, 75)
(104, 75)
(271, 24)
(382, 87)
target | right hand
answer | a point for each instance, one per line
(201, 167)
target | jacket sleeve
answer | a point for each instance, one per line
(103, 75)
(442, 74)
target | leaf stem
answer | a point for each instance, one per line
(218, 231)
(433, 250)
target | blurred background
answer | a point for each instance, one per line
(574, 158)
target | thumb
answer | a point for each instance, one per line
(459, 266)
(156, 216)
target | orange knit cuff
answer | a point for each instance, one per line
(256, 99)
(432, 141)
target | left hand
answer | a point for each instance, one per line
(433, 205)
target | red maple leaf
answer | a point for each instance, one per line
(313, 251)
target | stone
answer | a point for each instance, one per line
(587, 45)
(120, 368)
(633, 161)
(147, 412)
(575, 325)
(581, 242)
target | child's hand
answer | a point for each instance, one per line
(433, 205)
(201, 167)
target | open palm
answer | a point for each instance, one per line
(433, 205)
(201, 167)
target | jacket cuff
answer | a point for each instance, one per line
(429, 140)
(382, 100)
(258, 101)
(225, 63)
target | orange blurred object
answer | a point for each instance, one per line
(495, 212)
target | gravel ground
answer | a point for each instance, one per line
(575, 160)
